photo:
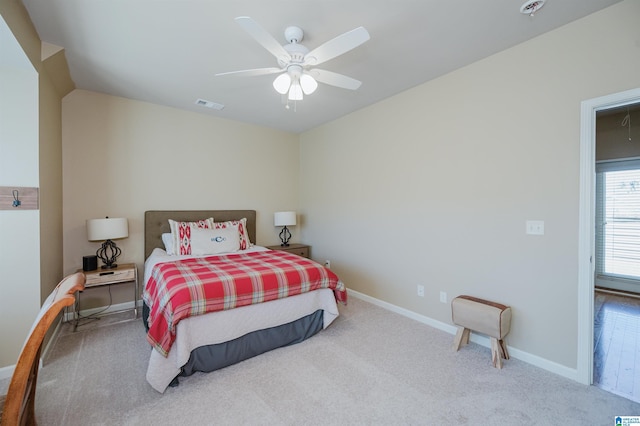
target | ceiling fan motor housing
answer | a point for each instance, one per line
(296, 52)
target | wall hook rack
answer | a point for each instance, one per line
(18, 198)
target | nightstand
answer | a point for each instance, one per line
(123, 273)
(299, 249)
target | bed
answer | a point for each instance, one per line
(212, 340)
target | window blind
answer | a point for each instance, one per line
(618, 219)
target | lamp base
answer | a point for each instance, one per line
(285, 236)
(111, 266)
(108, 253)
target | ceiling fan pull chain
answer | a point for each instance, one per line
(626, 121)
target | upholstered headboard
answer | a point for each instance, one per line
(156, 222)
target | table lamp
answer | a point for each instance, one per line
(284, 219)
(106, 230)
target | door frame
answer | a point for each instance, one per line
(586, 224)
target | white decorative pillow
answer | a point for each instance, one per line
(167, 240)
(181, 233)
(241, 226)
(214, 241)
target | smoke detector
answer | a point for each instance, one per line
(531, 6)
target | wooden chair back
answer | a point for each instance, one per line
(19, 402)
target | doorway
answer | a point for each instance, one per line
(586, 223)
(617, 251)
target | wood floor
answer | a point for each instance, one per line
(617, 344)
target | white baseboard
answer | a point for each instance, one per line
(103, 310)
(7, 372)
(561, 370)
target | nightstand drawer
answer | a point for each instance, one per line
(299, 249)
(302, 251)
(107, 276)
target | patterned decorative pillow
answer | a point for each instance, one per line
(181, 233)
(243, 233)
(214, 241)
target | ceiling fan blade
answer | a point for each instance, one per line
(335, 79)
(253, 72)
(263, 37)
(337, 46)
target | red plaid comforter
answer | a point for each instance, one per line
(180, 289)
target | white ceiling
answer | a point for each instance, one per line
(167, 52)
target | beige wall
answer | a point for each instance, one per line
(433, 186)
(37, 261)
(123, 157)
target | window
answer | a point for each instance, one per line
(618, 219)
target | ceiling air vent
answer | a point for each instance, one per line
(209, 104)
(531, 6)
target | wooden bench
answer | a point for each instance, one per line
(482, 316)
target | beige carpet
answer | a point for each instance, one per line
(371, 366)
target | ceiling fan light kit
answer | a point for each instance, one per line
(308, 83)
(295, 61)
(295, 92)
(294, 79)
(282, 83)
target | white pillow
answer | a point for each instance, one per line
(241, 226)
(214, 241)
(167, 240)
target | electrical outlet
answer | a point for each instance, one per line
(443, 296)
(420, 290)
(535, 227)
(327, 263)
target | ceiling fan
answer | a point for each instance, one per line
(296, 64)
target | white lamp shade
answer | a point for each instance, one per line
(284, 218)
(282, 83)
(107, 229)
(308, 83)
(295, 92)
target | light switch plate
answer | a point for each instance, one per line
(535, 227)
